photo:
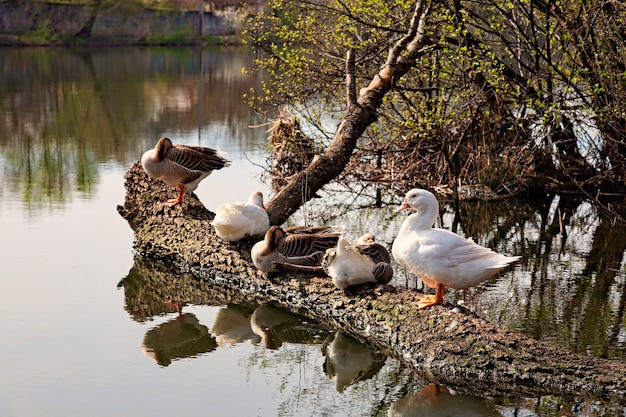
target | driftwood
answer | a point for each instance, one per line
(443, 344)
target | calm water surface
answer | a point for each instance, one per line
(86, 333)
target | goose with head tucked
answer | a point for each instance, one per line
(236, 221)
(366, 261)
(366, 245)
(181, 166)
(349, 361)
(365, 239)
(302, 247)
(439, 257)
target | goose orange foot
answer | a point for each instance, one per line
(179, 306)
(172, 202)
(426, 301)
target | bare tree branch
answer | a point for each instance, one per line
(350, 79)
(328, 166)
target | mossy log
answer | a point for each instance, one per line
(443, 344)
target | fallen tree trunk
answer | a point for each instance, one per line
(444, 345)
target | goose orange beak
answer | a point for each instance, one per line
(404, 206)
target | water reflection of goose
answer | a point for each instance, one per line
(235, 221)
(437, 401)
(181, 166)
(300, 246)
(178, 338)
(365, 262)
(349, 360)
(439, 257)
(232, 325)
(276, 326)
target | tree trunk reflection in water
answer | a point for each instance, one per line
(597, 293)
(573, 258)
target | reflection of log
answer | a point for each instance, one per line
(149, 283)
(446, 346)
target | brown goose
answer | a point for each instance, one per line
(181, 166)
(367, 261)
(367, 245)
(296, 246)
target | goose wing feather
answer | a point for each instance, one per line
(375, 251)
(313, 259)
(196, 158)
(383, 272)
(455, 250)
(305, 244)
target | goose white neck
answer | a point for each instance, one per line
(426, 209)
(256, 199)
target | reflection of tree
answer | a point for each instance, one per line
(179, 338)
(68, 111)
(599, 295)
(570, 289)
(47, 171)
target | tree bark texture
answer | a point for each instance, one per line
(446, 345)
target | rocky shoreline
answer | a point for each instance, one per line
(56, 24)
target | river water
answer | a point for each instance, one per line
(85, 329)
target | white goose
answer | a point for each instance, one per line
(365, 262)
(297, 246)
(439, 257)
(235, 221)
(181, 166)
